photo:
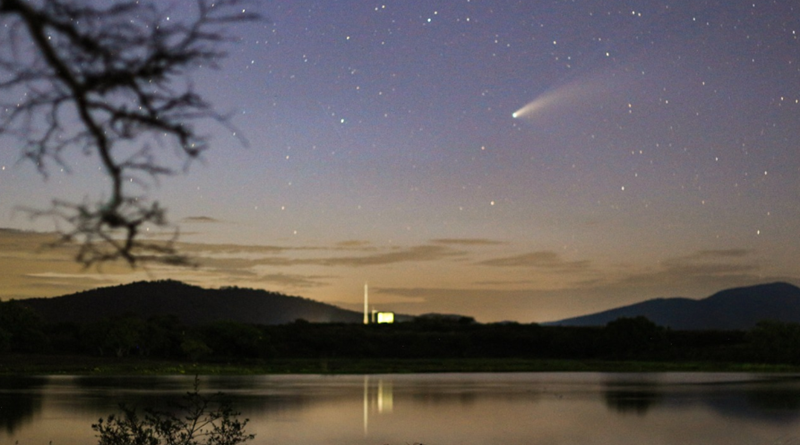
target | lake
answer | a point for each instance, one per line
(434, 409)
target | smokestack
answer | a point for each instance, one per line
(366, 305)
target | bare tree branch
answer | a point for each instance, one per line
(98, 80)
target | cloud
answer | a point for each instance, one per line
(201, 220)
(18, 243)
(201, 249)
(733, 266)
(505, 282)
(228, 256)
(296, 281)
(486, 305)
(539, 260)
(412, 254)
(528, 286)
(52, 283)
(467, 241)
(720, 253)
(353, 244)
(697, 274)
(31, 268)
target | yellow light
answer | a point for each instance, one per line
(385, 317)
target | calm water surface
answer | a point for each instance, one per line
(439, 409)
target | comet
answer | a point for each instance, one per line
(567, 96)
(539, 104)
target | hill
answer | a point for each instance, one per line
(191, 304)
(737, 308)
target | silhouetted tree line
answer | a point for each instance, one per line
(22, 331)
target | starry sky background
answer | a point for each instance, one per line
(508, 160)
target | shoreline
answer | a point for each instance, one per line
(16, 365)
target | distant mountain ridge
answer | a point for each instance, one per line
(191, 304)
(732, 309)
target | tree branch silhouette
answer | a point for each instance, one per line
(111, 82)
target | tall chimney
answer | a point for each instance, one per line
(366, 305)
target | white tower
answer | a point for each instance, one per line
(366, 305)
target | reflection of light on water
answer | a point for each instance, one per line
(378, 397)
(385, 396)
(366, 405)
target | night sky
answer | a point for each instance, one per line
(508, 160)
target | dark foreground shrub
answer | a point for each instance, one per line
(197, 420)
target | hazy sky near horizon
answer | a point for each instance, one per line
(508, 160)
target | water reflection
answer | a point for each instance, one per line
(780, 405)
(765, 399)
(636, 401)
(442, 408)
(775, 399)
(20, 403)
(378, 397)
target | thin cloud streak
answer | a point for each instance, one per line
(295, 281)
(538, 260)
(467, 242)
(200, 220)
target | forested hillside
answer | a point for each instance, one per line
(191, 305)
(738, 308)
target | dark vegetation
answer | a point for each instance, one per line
(132, 339)
(198, 420)
(125, 327)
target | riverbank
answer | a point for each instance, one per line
(80, 365)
